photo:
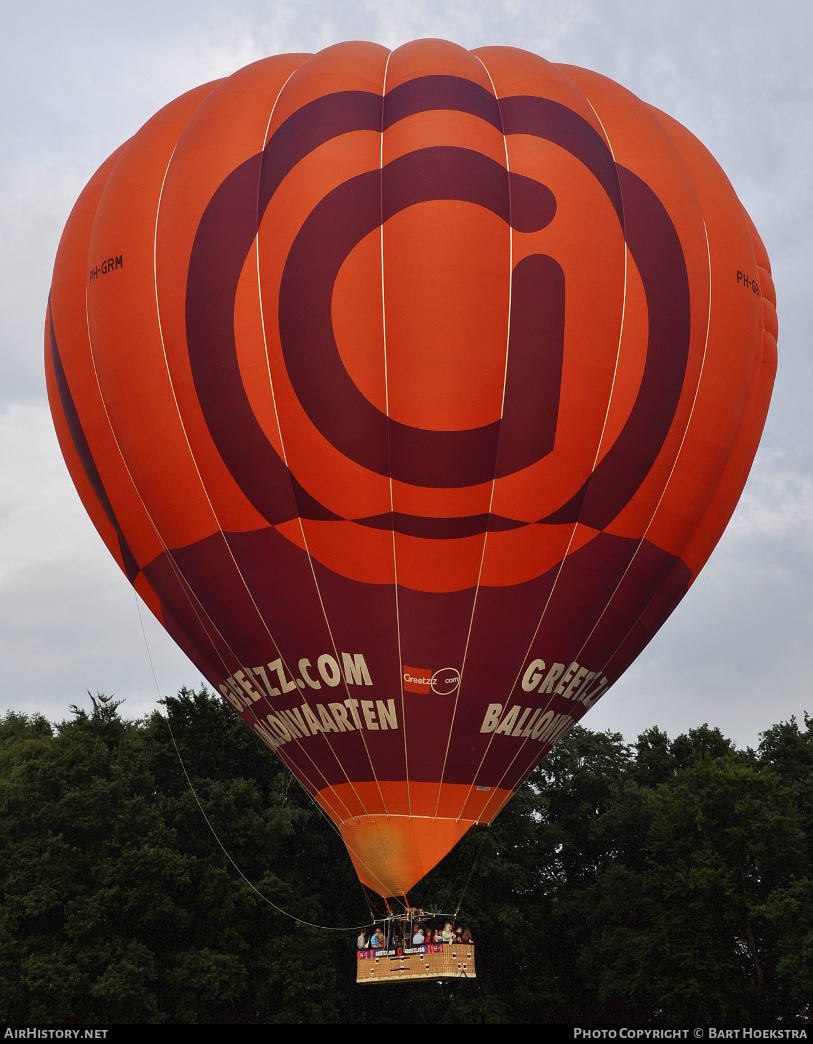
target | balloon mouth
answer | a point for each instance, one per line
(392, 853)
(396, 834)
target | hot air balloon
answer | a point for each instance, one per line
(411, 390)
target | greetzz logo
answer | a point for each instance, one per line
(445, 681)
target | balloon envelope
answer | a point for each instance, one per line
(411, 390)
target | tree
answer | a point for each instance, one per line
(171, 870)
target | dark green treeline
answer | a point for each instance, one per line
(671, 880)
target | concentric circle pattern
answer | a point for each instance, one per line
(411, 390)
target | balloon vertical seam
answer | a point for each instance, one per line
(654, 510)
(183, 582)
(389, 450)
(266, 144)
(497, 450)
(508, 705)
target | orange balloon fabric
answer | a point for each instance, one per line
(411, 390)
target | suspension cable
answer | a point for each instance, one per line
(285, 913)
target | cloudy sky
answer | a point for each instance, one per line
(80, 77)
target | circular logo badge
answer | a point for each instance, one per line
(445, 681)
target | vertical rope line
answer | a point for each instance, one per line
(677, 455)
(389, 449)
(497, 452)
(285, 461)
(663, 493)
(474, 862)
(183, 583)
(508, 705)
(210, 503)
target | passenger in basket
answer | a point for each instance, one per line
(418, 938)
(466, 937)
(448, 933)
(362, 942)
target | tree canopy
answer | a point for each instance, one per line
(666, 880)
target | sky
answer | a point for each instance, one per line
(78, 78)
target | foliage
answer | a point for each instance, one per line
(662, 881)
